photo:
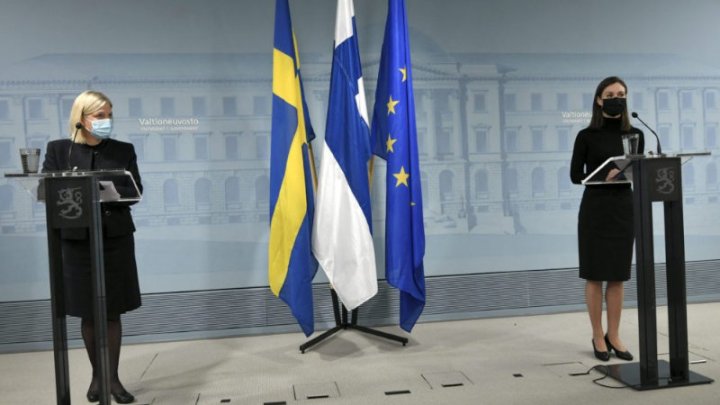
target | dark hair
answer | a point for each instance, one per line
(597, 119)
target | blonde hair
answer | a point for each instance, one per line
(87, 102)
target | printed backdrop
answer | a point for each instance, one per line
(501, 90)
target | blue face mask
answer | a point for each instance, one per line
(102, 128)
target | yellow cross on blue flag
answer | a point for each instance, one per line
(291, 265)
(394, 138)
(342, 232)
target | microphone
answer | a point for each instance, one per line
(78, 125)
(659, 149)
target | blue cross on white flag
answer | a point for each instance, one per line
(342, 233)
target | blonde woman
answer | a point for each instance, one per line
(90, 147)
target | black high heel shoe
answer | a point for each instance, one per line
(626, 355)
(604, 356)
(93, 395)
(123, 397)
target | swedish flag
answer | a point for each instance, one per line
(291, 265)
(394, 137)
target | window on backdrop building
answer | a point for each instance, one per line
(663, 131)
(511, 139)
(6, 154)
(536, 104)
(587, 101)
(637, 102)
(199, 106)
(480, 103)
(5, 110)
(444, 142)
(170, 147)
(35, 110)
(261, 105)
(135, 109)
(6, 198)
(538, 182)
(511, 177)
(65, 108)
(688, 176)
(167, 107)
(711, 177)
(663, 100)
(232, 146)
(481, 184)
(262, 192)
(229, 106)
(203, 194)
(688, 136)
(232, 193)
(686, 100)
(481, 140)
(711, 99)
(262, 145)
(711, 136)
(171, 194)
(422, 142)
(563, 103)
(446, 185)
(510, 102)
(538, 139)
(564, 184)
(564, 141)
(201, 142)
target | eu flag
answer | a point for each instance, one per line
(394, 138)
(291, 265)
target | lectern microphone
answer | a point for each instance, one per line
(72, 142)
(659, 149)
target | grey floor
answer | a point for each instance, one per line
(514, 360)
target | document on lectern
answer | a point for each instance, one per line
(117, 186)
(599, 175)
(108, 192)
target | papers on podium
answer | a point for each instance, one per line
(624, 162)
(599, 175)
(108, 191)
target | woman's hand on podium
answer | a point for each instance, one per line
(612, 175)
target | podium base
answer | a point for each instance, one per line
(629, 374)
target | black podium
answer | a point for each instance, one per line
(658, 179)
(72, 200)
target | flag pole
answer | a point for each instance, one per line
(351, 269)
(340, 313)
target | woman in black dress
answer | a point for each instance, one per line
(89, 147)
(605, 222)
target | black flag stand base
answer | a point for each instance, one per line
(343, 323)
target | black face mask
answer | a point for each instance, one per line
(614, 106)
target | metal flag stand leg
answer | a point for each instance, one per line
(342, 323)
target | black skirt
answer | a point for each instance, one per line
(122, 289)
(606, 233)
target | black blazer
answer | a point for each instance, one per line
(108, 154)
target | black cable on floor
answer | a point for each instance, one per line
(600, 369)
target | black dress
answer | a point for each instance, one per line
(605, 221)
(121, 277)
